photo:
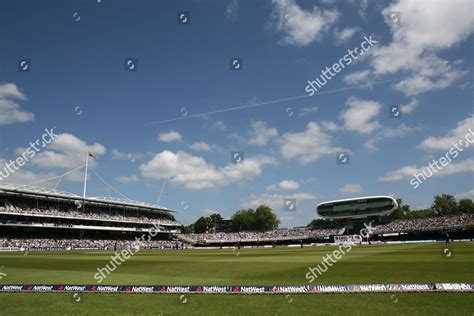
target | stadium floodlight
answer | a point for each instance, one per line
(357, 207)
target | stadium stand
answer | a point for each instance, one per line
(41, 219)
(96, 214)
(401, 229)
(36, 213)
(75, 244)
(274, 235)
(425, 224)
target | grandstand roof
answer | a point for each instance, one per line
(359, 198)
(57, 194)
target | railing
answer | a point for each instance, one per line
(158, 222)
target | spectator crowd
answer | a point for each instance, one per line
(424, 224)
(279, 234)
(399, 225)
(94, 214)
(71, 244)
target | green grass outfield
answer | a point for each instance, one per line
(417, 263)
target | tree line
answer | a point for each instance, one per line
(260, 219)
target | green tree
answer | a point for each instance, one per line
(261, 219)
(444, 204)
(322, 223)
(465, 206)
(187, 229)
(215, 218)
(265, 219)
(427, 212)
(201, 225)
(244, 220)
(402, 211)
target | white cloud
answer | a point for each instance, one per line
(118, 155)
(345, 34)
(219, 125)
(453, 136)
(170, 137)
(362, 10)
(301, 27)
(357, 77)
(408, 171)
(201, 146)
(465, 195)
(401, 130)
(27, 177)
(272, 187)
(410, 106)
(417, 40)
(209, 211)
(389, 132)
(465, 86)
(23, 176)
(260, 133)
(422, 28)
(195, 173)
(211, 124)
(77, 176)
(232, 10)
(308, 110)
(420, 31)
(436, 77)
(10, 110)
(330, 126)
(359, 114)
(308, 180)
(67, 152)
(287, 185)
(10, 90)
(307, 146)
(127, 179)
(253, 101)
(351, 188)
(274, 201)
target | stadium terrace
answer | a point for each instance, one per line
(34, 213)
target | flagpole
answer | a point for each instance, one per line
(85, 176)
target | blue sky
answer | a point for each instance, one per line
(77, 82)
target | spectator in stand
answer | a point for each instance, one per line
(280, 234)
(71, 244)
(98, 214)
(400, 225)
(424, 224)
